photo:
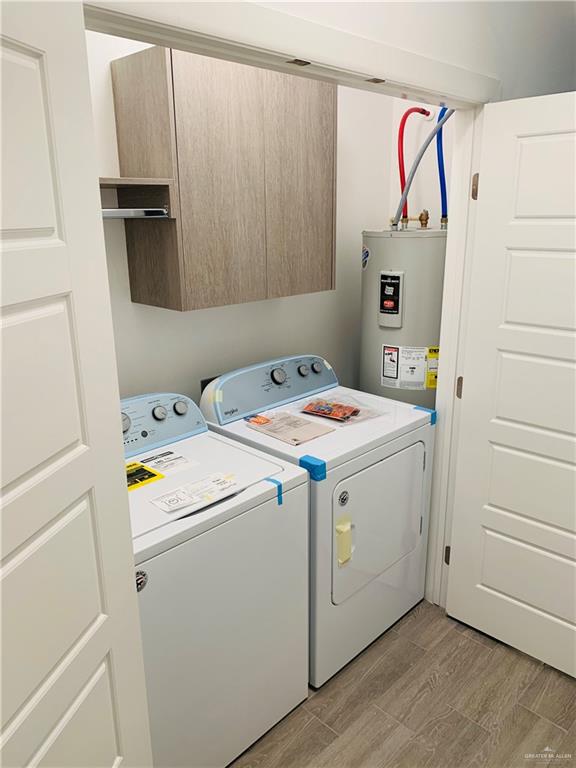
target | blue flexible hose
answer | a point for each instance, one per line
(441, 172)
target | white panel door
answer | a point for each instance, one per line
(513, 561)
(73, 690)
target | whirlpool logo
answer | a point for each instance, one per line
(231, 412)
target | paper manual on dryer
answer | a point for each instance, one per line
(287, 427)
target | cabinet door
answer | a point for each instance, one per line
(299, 130)
(142, 87)
(220, 139)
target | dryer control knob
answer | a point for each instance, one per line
(126, 423)
(181, 407)
(317, 367)
(303, 370)
(278, 375)
(159, 413)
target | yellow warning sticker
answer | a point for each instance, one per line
(138, 474)
(432, 367)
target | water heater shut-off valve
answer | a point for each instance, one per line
(424, 218)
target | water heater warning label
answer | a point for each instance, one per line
(390, 362)
(432, 367)
(409, 367)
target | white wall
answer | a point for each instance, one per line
(159, 349)
(102, 49)
(528, 46)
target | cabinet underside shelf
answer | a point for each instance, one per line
(135, 213)
(140, 198)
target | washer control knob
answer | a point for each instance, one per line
(278, 375)
(126, 423)
(181, 407)
(317, 367)
(303, 370)
(159, 413)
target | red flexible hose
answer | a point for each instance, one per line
(405, 116)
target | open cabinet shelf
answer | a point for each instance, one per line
(141, 198)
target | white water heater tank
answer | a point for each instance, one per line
(402, 281)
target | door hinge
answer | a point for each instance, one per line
(474, 191)
(459, 385)
(447, 555)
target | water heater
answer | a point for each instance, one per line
(402, 281)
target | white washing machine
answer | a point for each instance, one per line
(369, 496)
(220, 536)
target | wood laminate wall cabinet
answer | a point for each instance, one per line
(252, 156)
(299, 137)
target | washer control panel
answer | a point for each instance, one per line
(246, 391)
(149, 421)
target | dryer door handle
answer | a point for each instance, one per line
(344, 540)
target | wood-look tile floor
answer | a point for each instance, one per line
(430, 693)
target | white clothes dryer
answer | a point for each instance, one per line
(369, 496)
(220, 536)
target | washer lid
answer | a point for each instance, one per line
(347, 440)
(201, 473)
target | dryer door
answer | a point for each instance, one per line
(376, 516)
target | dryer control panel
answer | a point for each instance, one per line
(246, 391)
(150, 421)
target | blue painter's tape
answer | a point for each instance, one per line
(278, 485)
(431, 411)
(316, 467)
